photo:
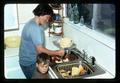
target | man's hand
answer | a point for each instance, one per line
(61, 52)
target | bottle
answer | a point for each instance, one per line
(76, 15)
(71, 15)
(93, 24)
(81, 21)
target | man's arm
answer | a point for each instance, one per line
(41, 49)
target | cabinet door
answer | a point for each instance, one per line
(12, 68)
(10, 17)
(11, 62)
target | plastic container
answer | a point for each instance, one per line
(12, 41)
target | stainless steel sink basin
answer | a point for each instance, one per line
(71, 58)
(91, 71)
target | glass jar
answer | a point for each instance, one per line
(58, 29)
(71, 13)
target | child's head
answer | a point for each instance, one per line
(42, 63)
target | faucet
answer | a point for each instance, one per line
(85, 56)
(92, 58)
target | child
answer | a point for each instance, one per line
(42, 67)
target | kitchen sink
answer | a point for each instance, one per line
(67, 67)
(72, 57)
(64, 70)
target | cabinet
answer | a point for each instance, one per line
(12, 68)
(56, 27)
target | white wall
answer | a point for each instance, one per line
(104, 55)
(25, 12)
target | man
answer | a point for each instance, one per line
(33, 40)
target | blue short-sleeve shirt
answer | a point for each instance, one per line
(32, 35)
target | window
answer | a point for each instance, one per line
(100, 17)
(105, 19)
(10, 17)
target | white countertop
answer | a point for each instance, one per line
(102, 76)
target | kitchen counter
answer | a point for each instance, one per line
(49, 44)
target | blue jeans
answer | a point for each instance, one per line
(28, 70)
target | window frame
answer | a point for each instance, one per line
(15, 25)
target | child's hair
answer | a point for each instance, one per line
(43, 57)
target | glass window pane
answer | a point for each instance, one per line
(86, 10)
(105, 20)
(10, 17)
(100, 17)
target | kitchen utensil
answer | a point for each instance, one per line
(66, 53)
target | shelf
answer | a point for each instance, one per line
(61, 21)
(58, 34)
(56, 6)
(58, 21)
